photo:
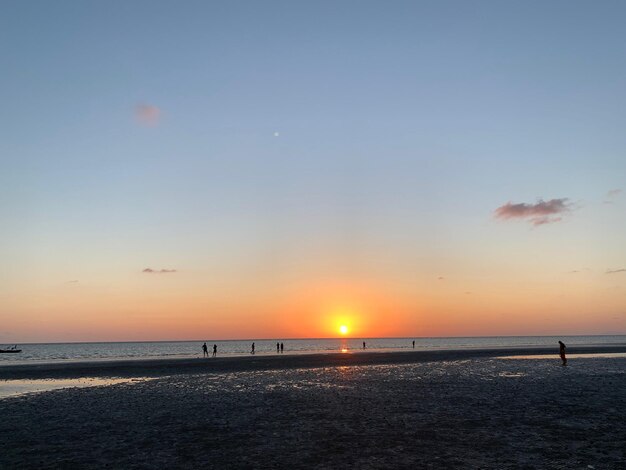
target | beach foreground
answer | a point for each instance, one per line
(480, 412)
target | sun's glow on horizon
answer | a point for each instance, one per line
(343, 329)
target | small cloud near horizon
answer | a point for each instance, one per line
(147, 114)
(440, 278)
(158, 271)
(615, 271)
(540, 213)
(611, 195)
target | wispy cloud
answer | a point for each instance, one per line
(147, 114)
(158, 271)
(615, 271)
(540, 213)
(612, 195)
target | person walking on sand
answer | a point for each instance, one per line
(214, 350)
(205, 351)
(282, 347)
(413, 344)
(277, 348)
(363, 344)
(252, 351)
(562, 353)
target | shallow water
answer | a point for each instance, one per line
(141, 350)
(569, 356)
(12, 388)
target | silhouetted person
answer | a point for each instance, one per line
(214, 350)
(282, 347)
(205, 351)
(413, 344)
(363, 344)
(252, 351)
(562, 353)
(277, 348)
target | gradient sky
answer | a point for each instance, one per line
(437, 168)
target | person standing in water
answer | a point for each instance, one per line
(562, 353)
(413, 344)
(277, 348)
(363, 344)
(205, 351)
(252, 351)
(282, 347)
(214, 350)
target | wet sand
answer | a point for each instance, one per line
(451, 412)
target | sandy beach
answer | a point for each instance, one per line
(450, 411)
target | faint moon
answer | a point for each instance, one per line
(276, 134)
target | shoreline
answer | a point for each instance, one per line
(161, 367)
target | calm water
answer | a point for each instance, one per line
(111, 351)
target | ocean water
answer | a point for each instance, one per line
(52, 352)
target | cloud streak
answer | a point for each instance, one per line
(158, 271)
(147, 114)
(612, 195)
(615, 271)
(540, 213)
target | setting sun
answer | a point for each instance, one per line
(343, 329)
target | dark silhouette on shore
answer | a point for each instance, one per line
(413, 344)
(205, 351)
(277, 348)
(363, 344)
(214, 350)
(282, 347)
(562, 353)
(252, 351)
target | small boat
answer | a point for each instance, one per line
(10, 351)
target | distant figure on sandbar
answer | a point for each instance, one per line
(205, 351)
(252, 351)
(363, 344)
(413, 344)
(562, 353)
(214, 350)
(282, 347)
(277, 348)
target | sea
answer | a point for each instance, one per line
(75, 352)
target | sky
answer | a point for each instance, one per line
(222, 170)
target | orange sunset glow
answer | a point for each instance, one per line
(186, 305)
